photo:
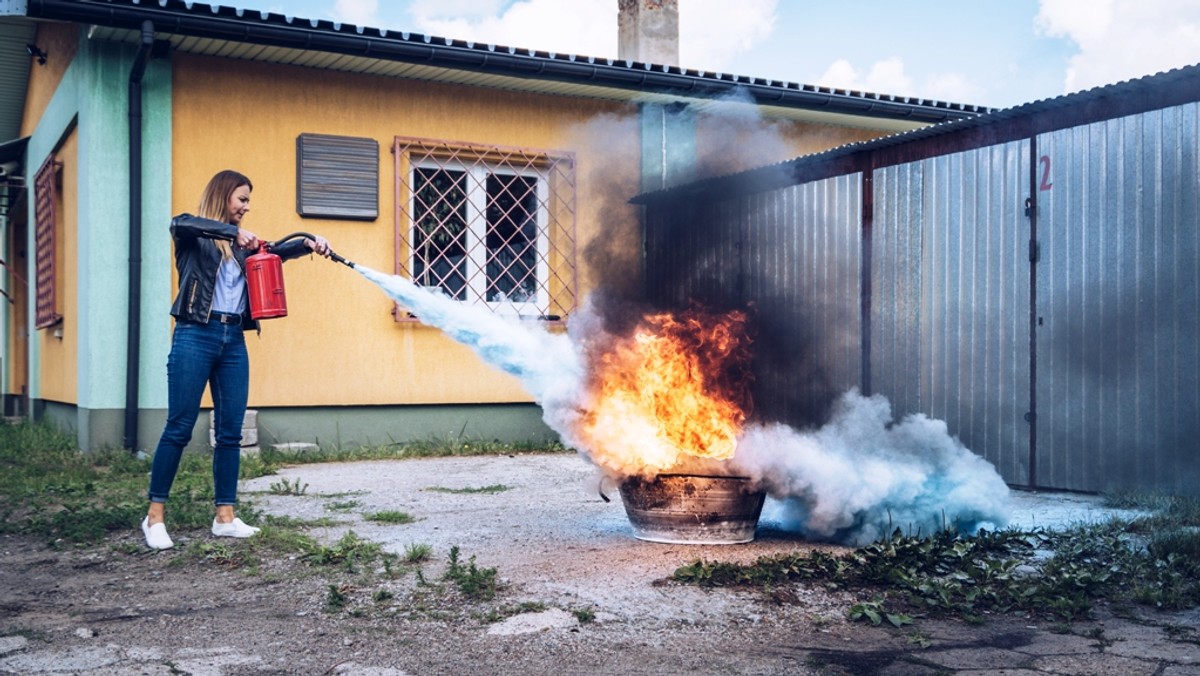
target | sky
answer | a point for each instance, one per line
(995, 53)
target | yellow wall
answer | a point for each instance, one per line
(340, 344)
(59, 41)
(59, 376)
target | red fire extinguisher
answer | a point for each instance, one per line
(264, 282)
(264, 279)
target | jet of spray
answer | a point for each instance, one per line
(548, 365)
(853, 480)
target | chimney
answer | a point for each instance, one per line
(648, 31)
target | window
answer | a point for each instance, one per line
(488, 225)
(45, 187)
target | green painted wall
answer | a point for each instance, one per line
(93, 95)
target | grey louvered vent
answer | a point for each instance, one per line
(337, 177)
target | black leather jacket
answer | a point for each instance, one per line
(197, 259)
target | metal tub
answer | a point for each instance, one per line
(691, 509)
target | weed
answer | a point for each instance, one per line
(494, 488)
(417, 553)
(919, 638)
(392, 517)
(1059, 575)
(585, 615)
(343, 506)
(382, 596)
(336, 599)
(346, 552)
(873, 612)
(286, 487)
(473, 582)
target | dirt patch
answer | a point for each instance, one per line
(577, 594)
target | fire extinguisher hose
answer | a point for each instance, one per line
(333, 256)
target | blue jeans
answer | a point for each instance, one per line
(212, 354)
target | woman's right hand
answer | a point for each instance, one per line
(246, 239)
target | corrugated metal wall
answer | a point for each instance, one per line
(1118, 341)
(794, 254)
(950, 297)
(1112, 376)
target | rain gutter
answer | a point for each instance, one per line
(133, 351)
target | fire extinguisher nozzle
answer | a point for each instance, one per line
(338, 259)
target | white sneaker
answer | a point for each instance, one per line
(233, 529)
(156, 535)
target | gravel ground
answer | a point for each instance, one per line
(562, 554)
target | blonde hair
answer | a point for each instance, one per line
(214, 201)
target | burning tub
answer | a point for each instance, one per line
(692, 509)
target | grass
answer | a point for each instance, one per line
(49, 488)
(494, 488)
(390, 516)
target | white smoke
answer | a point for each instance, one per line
(852, 481)
(862, 475)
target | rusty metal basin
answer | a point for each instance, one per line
(692, 509)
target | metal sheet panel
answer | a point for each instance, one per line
(1118, 382)
(792, 254)
(950, 297)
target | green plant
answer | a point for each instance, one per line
(416, 553)
(348, 552)
(494, 488)
(584, 615)
(342, 506)
(382, 596)
(286, 487)
(873, 612)
(336, 598)
(392, 517)
(473, 582)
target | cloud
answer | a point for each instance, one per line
(889, 77)
(886, 76)
(357, 12)
(1121, 39)
(586, 27)
(712, 32)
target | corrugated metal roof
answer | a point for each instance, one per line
(1122, 98)
(264, 36)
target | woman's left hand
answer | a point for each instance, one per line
(318, 245)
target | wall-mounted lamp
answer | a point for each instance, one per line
(35, 51)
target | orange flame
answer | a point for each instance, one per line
(676, 388)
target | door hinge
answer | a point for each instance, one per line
(1029, 208)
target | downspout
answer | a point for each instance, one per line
(133, 352)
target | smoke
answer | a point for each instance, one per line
(861, 475)
(852, 480)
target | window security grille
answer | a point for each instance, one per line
(488, 225)
(337, 177)
(45, 187)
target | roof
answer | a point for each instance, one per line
(1130, 97)
(266, 36)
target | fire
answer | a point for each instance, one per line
(676, 388)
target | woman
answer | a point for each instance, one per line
(208, 347)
